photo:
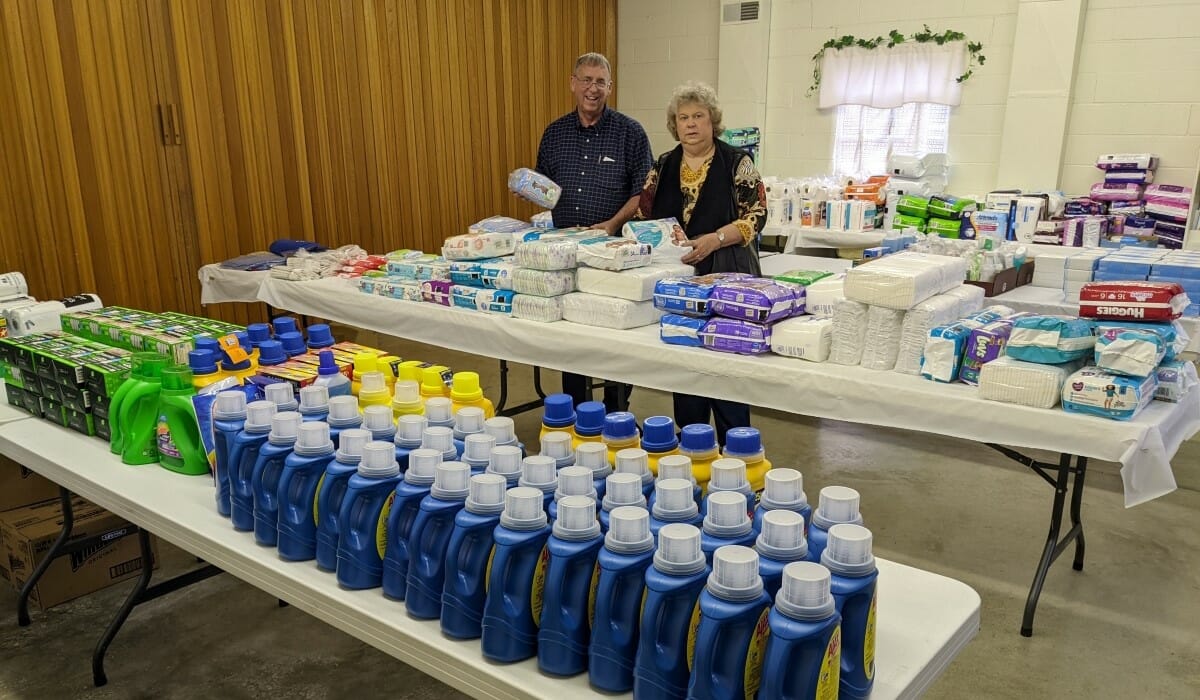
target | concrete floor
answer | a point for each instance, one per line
(1124, 627)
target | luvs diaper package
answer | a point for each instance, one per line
(805, 337)
(664, 236)
(1096, 392)
(535, 187)
(675, 329)
(985, 344)
(609, 253)
(691, 295)
(736, 335)
(755, 299)
(1050, 339)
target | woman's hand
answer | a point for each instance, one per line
(702, 247)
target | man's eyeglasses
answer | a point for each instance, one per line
(593, 82)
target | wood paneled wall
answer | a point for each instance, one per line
(387, 123)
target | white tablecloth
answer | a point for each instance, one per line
(806, 237)
(1143, 446)
(219, 285)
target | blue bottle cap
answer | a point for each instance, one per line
(285, 324)
(620, 425)
(207, 342)
(293, 343)
(558, 411)
(699, 437)
(270, 352)
(319, 336)
(328, 366)
(259, 333)
(234, 366)
(743, 441)
(243, 339)
(202, 362)
(589, 418)
(658, 434)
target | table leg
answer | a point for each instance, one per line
(501, 409)
(1076, 503)
(55, 550)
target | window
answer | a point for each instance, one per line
(864, 136)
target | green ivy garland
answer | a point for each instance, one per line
(925, 36)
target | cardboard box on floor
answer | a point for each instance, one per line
(111, 553)
(21, 487)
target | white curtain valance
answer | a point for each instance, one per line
(885, 78)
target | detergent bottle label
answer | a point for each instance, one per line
(693, 628)
(233, 349)
(166, 446)
(869, 642)
(487, 576)
(592, 594)
(831, 667)
(752, 676)
(537, 590)
(381, 531)
(316, 497)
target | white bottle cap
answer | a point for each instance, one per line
(673, 500)
(782, 536)
(372, 382)
(728, 474)
(378, 419)
(281, 394)
(628, 531)
(486, 496)
(467, 421)
(538, 472)
(557, 446)
(501, 428)
(343, 412)
(634, 460)
(422, 464)
(784, 490)
(351, 444)
(230, 405)
(836, 504)
(805, 593)
(285, 427)
(314, 439)
(314, 399)
(451, 481)
(623, 490)
(679, 551)
(523, 509)
(848, 551)
(409, 431)
(441, 439)
(675, 467)
(505, 460)
(735, 573)
(477, 450)
(726, 514)
(378, 460)
(407, 394)
(258, 416)
(575, 481)
(438, 411)
(576, 519)
(594, 456)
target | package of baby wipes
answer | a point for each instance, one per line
(437, 292)
(535, 308)
(675, 329)
(478, 246)
(1050, 339)
(1096, 392)
(609, 253)
(1132, 353)
(736, 336)
(690, 295)
(664, 236)
(548, 254)
(1174, 380)
(498, 224)
(805, 337)
(755, 299)
(535, 187)
(543, 283)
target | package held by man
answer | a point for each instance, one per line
(1149, 301)
(535, 187)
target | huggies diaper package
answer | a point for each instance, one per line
(736, 335)
(1050, 339)
(758, 300)
(805, 337)
(609, 253)
(664, 236)
(675, 329)
(1096, 392)
(1132, 301)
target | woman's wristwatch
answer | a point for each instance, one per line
(721, 236)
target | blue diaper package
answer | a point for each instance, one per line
(942, 359)
(492, 301)
(1096, 392)
(1175, 338)
(690, 295)
(1132, 353)
(469, 272)
(676, 329)
(1050, 340)
(1176, 271)
(1122, 269)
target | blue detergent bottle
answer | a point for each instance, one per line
(319, 336)
(621, 490)
(731, 636)
(440, 438)
(430, 537)
(729, 474)
(282, 395)
(410, 430)
(504, 430)
(589, 422)
(516, 578)
(505, 461)
(343, 415)
(247, 444)
(264, 482)
(783, 490)
(537, 472)
(572, 481)
(565, 628)
(468, 421)
(780, 543)
(229, 418)
(314, 403)
(673, 588)
(418, 479)
(659, 439)
(332, 492)
(725, 523)
(635, 460)
(557, 446)
(836, 505)
(477, 452)
(467, 556)
(594, 456)
(678, 467)
(673, 504)
(439, 411)
(804, 652)
(284, 324)
(293, 343)
(378, 419)
(302, 472)
(628, 552)
(853, 577)
(330, 376)
(362, 531)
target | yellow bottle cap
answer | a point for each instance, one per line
(365, 362)
(431, 382)
(466, 387)
(386, 364)
(410, 371)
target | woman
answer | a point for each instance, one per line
(714, 190)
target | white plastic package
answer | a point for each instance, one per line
(543, 283)
(848, 333)
(542, 219)
(478, 246)
(1174, 380)
(535, 187)
(534, 308)
(609, 253)
(882, 342)
(804, 337)
(664, 236)
(1025, 383)
(903, 280)
(634, 285)
(933, 312)
(969, 296)
(608, 312)
(500, 224)
(1133, 353)
(823, 295)
(547, 254)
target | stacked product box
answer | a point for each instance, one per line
(170, 334)
(301, 370)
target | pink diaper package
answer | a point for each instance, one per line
(736, 336)
(756, 299)
(1110, 191)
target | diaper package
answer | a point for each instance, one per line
(1175, 338)
(805, 337)
(543, 283)
(635, 285)
(1127, 161)
(1024, 383)
(849, 332)
(1132, 301)
(1050, 339)
(664, 236)
(478, 246)
(535, 187)
(437, 291)
(935, 311)
(903, 280)
(1131, 353)
(498, 224)
(736, 335)
(942, 359)
(609, 253)
(493, 273)
(1096, 392)
(1174, 380)
(690, 295)
(882, 342)
(548, 254)
(984, 345)
(675, 329)
(423, 267)
(1107, 191)
(540, 309)
(607, 312)
(492, 301)
(392, 287)
(755, 299)
(822, 296)
(542, 219)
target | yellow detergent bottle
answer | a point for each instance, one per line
(373, 390)
(363, 362)
(410, 371)
(589, 423)
(746, 444)
(699, 443)
(465, 391)
(620, 432)
(406, 400)
(558, 416)
(387, 364)
(433, 384)
(658, 439)
(204, 369)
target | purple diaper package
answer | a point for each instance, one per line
(690, 295)
(437, 291)
(756, 299)
(1083, 207)
(1112, 191)
(1141, 177)
(984, 345)
(1133, 207)
(737, 336)
(1135, 224)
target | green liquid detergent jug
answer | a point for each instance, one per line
(836, 505)
(730, 639)
(848, 558)
(332, 492)
(179, 446)
(139, 391)
(804, 653)
(780, 542)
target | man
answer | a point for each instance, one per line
(600, 158)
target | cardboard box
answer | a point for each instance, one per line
(1007, 280)
(21, 487)
(109, 550)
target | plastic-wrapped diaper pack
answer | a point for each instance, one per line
(535, 187)
(609, 253)
(479, 246)
(822, 296)
(492, 301)
(419, 268)
(664, 236)
(437, 292)
(542, 219)
(849, 332)
(804, 337)
(1175, 338)
(1050, 339)
(635, 285)
(675, 329)
(392, 287)
(935, 311)
(755, 299)
(1096, 392)
(543, 283)
(1174, 380)
(1132, 301)
(984, 345)
(942, 358)
(1107, 191)
(491, 274)
(1024, 383)
(548, 254)
(736, 335)
(1131, 353)
(882, 342)
(903, 280)
(801, 278)
(969, 296)
(607, 312)
(690, 295)
(498, 224)
(535, 308)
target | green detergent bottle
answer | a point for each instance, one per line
(141, 363)
(136, 419)
(179, 445)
